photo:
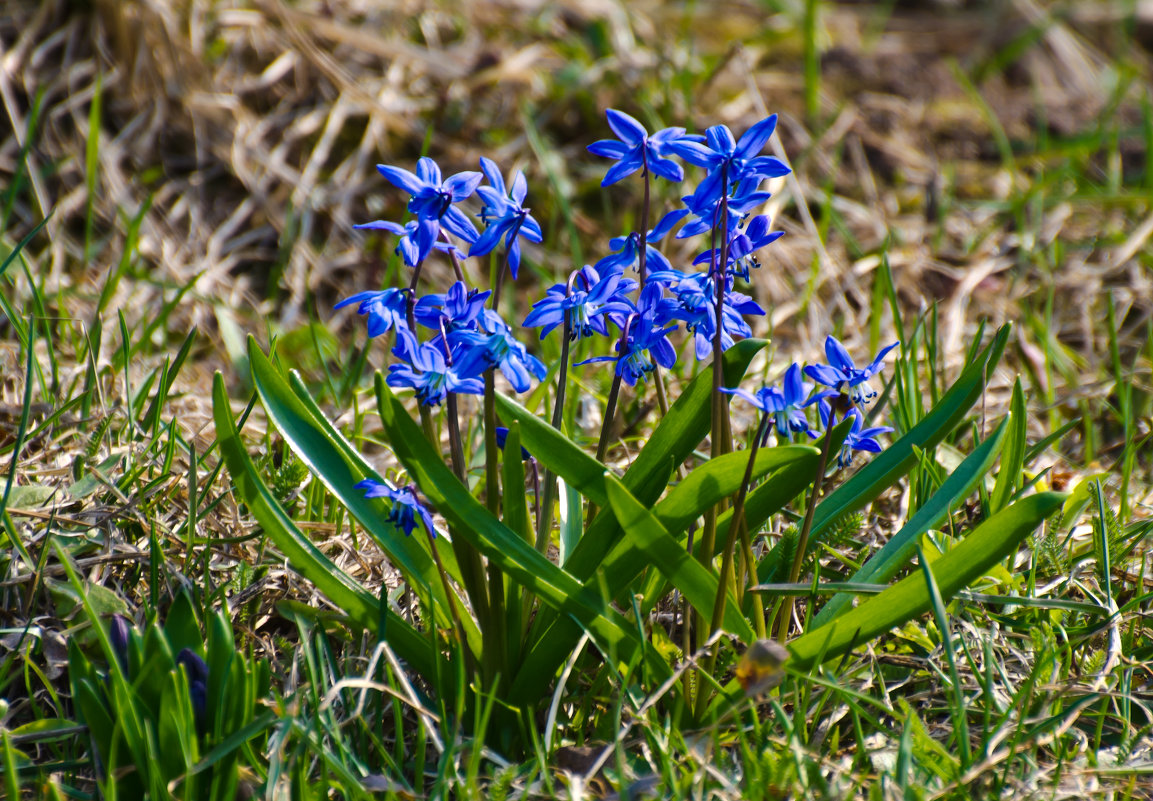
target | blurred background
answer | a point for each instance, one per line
(202, 163)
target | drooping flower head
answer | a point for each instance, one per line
(386, 309)
(406, 507)
(428, 371)
(857, 439)
(588, 299)
(431, 200)
(407, 245)
(504, 215)
(843, 375)
(633, 147)
(784, 405)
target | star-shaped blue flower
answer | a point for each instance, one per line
(386, 309)
(493, 345)
(635, 147)
(857, 439)
(784, 405)
(505, 215)
(458, 308)
(843, 375)
(428, 372)
(406, 508)
(432, 200)
(647, 344)
(406, 246)
(730, 161)
(591, 299)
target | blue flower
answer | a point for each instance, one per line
(505, 215)
(428, 372)
(407, 246)
(694, 303)
(456, 309)
(729, 161)
(406, 508)
(743, 245)
(432, 201)
(493, 345)
(647, 343)
(842, 374)
(629, 247)
(636, 147)
(590, 300)
(785, 404)
(856, 439)
(386, 309)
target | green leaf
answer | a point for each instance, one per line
(989, 543)
(688, 575)
(337, 464)
(1013, 458)
(518, 559)
(718, 478)
(885, 563)
(675, 437)
(181, 628)
(344, 591)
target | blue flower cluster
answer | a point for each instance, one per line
(722, 205)
(467, 337)
(845, 380)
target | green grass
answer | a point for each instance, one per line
(116, 310)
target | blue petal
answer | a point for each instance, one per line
(609, 148)
(401, 178)
(627, 129)
(838, 357)
(428, 170)
(753, 141)
(492, 173)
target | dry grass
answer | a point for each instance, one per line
(996, 154)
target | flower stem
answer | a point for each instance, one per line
(736, 525)
(784, 621)
(471, 567)
(452, 608)
(544, 510)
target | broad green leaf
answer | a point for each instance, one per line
(344, 591)
(337, 464)
(885, 563)
(675, 437)
(989, 543)
(1013, 457)
(688, 575)
(510, 552)
(556, 451)
(707, 484)
(896, 460)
